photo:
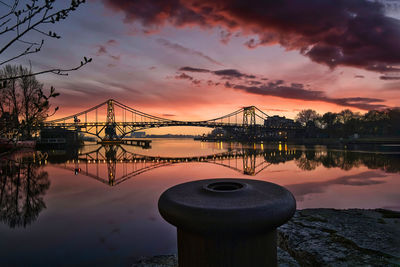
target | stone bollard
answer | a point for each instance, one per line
(227, 222)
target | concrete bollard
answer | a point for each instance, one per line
(227, 222)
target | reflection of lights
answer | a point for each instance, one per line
(285, 147)
(280, 147)
(262, 146)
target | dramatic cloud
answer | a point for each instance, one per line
(181, 49)
(296, 92)
(332, 32)
(279, 88)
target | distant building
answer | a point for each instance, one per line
(279, 122)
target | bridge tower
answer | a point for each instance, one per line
(111, 156)
(249, 116)
(110, 131)
(249, 162)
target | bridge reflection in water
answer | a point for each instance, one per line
(249, 161)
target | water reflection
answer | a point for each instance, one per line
(346, 160)
(245, 160)
(362, 179)
(114, 164)
(23, 184)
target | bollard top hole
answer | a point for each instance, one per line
(224, 186)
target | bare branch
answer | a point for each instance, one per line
(29, 18)
(26, 52)
(63, 72)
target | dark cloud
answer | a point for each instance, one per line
(253, 82)
(296, 92)
(183, 76)
(225, 73)
(181, 49)
(383, 68)
(390, 78)
(193, 69)
(232, 73)
(331, 32)
(196, 82)
(359, 76)
(168, 115)
(279, 88)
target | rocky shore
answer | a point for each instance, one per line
(329, 237)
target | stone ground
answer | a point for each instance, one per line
(329, 237)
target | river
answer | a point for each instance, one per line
(98, 206)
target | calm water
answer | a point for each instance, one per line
(98, 206)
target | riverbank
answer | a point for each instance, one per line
(329, 237)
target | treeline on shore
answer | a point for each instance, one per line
(374, 123)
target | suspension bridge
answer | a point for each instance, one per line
(112, 121)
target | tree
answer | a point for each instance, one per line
(307, 115)
(345, 116)
(23, 101)
(20, 18)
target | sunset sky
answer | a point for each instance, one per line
(194, 60)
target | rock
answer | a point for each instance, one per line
(284, 259)
(329, 237)
(157, 261)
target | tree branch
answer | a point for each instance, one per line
(54, 71)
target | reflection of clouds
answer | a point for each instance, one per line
(361, 179)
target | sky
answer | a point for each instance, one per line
(197, 60)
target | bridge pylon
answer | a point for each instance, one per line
(249, 116)
(110, 130)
